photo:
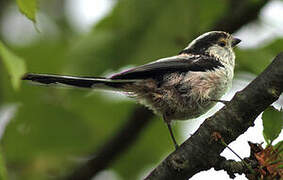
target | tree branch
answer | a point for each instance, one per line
(123, 139)
(232, 167)
(230, 122)
(238, 14)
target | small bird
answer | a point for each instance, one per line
(180, 87)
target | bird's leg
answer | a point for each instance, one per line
(171, 132)
(221, 101)
(172, 136)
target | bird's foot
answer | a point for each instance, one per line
(221, 101)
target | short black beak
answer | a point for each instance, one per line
(235, 41)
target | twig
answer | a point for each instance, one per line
(244, 162)
(234, 167)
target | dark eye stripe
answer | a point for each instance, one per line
(201, 45)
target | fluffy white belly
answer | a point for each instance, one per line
(185, 95)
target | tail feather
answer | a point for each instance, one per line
(81, 82)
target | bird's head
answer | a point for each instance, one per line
(215, 43)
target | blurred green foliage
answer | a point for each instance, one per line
(256, 60)
(56, 127)
(15, 65)
(3, 170)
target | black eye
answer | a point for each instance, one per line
(222, 44)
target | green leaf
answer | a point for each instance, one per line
(272, 124)
(15, 65)
(28, 8)
(279, 147)
(3, 170)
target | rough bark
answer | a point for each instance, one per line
(235, 167)
(201, 152)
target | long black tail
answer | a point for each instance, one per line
(81, 82)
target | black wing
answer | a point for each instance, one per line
(173, 64)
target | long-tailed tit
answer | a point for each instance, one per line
(180, 87)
